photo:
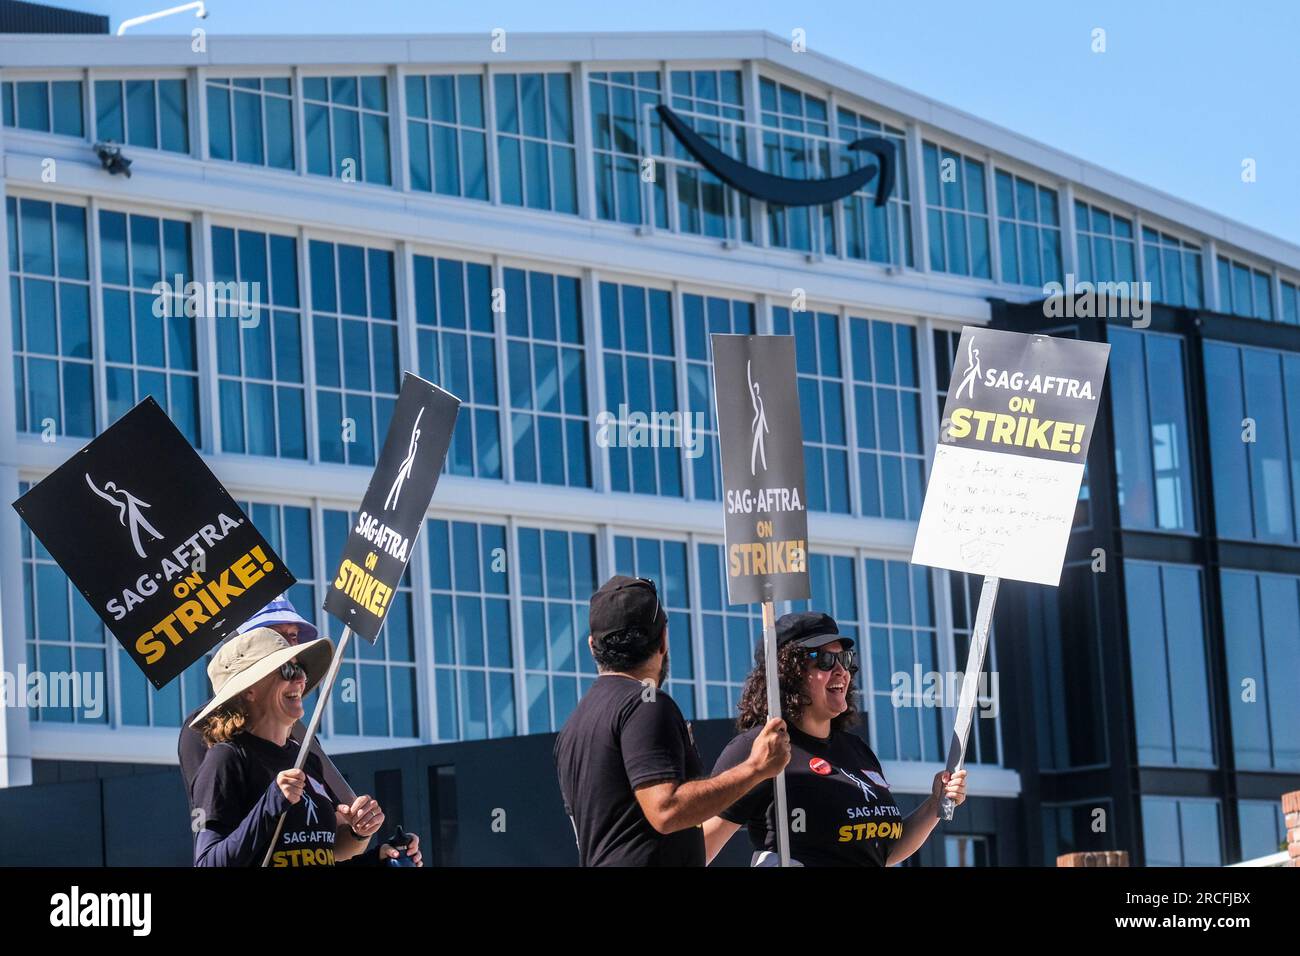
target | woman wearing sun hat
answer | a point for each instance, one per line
(246, 780)
(281, 617)
(849, 817)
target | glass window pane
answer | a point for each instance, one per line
(318, 139)
(1280, 625)
(507, 106)
(109, 124)
(141, 113)
(34, 106)
(65, 98)
(248, 127)
(1245, 663)
(1270, 485)
(220, 137)
(376, 149)
(1228, 453)
(279, 133)
(1188, 680)
(173, 112)
(1160, 832)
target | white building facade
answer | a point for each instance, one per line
(507, 218)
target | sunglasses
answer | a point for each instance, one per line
(292, 671)
(655, 591)
(826, 660)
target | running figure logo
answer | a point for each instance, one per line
(759, 426)
(311, 808)
(128, 511)
(972, 369)
(867, 792)
(404, 469)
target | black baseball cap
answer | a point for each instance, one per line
(622, 603)
(809, 629)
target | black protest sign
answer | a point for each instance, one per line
(392, 512)
(1012, 446)
(154, 542)
(1024, 394)
(761, 435)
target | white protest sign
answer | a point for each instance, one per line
(1012, 445)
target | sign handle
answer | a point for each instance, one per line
(325, 687)
(979, 642)
(774, 710)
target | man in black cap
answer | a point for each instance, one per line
(628, 768)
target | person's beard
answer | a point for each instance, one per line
(663, 671)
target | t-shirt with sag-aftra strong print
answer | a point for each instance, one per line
(236, 794)
(849, 817)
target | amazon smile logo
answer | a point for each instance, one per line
(782, 190)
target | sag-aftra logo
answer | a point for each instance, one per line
(74, 909)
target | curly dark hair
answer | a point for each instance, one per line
(792, 669)
(223, 723)
(627, 649)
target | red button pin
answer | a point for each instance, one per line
(818, 765)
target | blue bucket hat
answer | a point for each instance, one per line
(281, 611)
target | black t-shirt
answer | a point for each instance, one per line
(191, 749)
(849, 815)
(617, 739)
(232, 780)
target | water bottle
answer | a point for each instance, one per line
(399, 841)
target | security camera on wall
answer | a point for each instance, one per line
(111, 158)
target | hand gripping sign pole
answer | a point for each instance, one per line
(325, 687)
(763, 479)
(1005, 479)
(774, 710)
(381, 542)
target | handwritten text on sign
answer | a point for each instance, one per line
(1014, 438)
(1001, 512)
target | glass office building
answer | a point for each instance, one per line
(519, 228)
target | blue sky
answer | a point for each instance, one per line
(1184, 92)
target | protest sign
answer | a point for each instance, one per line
(1006, 475)
(154, 542)
(1009, 463)
(380, 544)
(764, 495)
(760, 433)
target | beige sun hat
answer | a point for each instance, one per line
(247, 658)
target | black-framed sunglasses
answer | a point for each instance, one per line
(292, 670)
(654, 590)
(826, 660)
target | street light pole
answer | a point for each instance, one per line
(200, 11)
